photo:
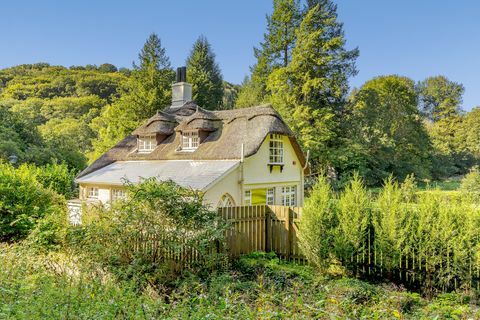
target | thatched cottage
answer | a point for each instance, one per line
(235, 157)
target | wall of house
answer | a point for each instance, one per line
(229, 184)
(104, 192)
(257, 175)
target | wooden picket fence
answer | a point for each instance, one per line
(251, 228)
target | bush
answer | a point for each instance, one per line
(57, 177)
(470, 185)
(427, 240)
(24, 201)
(319, 219)
(138, 237)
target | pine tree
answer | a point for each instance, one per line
(148, 90)
(205, 76)
(275, 51)
(310, 92)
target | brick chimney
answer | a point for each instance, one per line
(181, 90)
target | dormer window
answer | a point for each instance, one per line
(146, 144)
(190, 141)
(276, 149)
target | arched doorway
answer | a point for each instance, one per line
(226, 200)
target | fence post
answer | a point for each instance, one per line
(289, 235)
(268, 229)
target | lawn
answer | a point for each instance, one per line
(259, 286)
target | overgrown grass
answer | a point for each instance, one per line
(259, 286)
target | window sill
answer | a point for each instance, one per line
(187, 150)
(272, 165)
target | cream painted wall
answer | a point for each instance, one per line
(257, 172)
(229, 184)
(104, 192)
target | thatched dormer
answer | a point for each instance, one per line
(154, 131)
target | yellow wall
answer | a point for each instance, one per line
(104, 191)
(257, 173)
(229, 184)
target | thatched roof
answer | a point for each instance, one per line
(200, 120)
(247, 126)
(161, 123)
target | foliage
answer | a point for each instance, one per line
(49, 107)
(430, 234)
(440, 98)
(24, 200)
(61, 285)
(470, 185)
(310, 91)
(56, 177)
(275, 51)
(20, 139)
(386, 134)
(205, 76)
(468, 134)
(148, 90)
(317, 220)
(230, 95)
(172, 216)
(249, 95)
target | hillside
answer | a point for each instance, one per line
(55, 106)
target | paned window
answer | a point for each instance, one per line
(276, 149)
(190, 141)
(271, 196)
(118, 194)
(289, 196)
(146, 144)
(226, 201)
(92, 193)
(248, 198)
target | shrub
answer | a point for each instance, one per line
(57, 177)
(470, 185)
(140, 236)
(318, 220)
(428, 239)
(23, 201)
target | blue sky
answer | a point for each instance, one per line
(415, 38)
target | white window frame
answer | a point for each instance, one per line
(92, 192)
(247, 197)
(275, 149)
(289, 196)
(118, 194)
(270, 198)
(190, 140)
(146, 144)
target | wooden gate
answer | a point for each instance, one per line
(263, 228)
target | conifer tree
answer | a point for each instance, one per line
(310, 92)
(205, 76)
(148, 90)
(275, 51)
